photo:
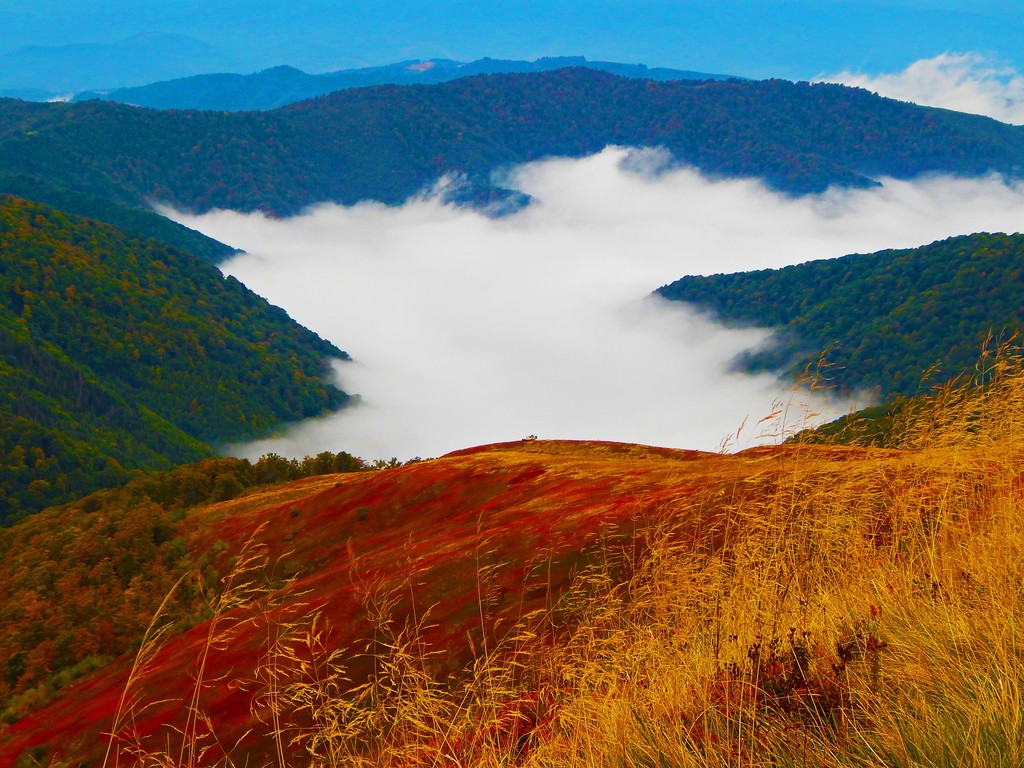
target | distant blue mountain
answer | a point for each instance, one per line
(279, 86)
(32, 94)
(46, 72)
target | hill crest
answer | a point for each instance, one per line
(527, 513)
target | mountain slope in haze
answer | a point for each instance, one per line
(278, 86)
(121, 353)
(884, 317)
(390, 142)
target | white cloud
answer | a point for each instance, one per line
(468, 330)
(966, 82)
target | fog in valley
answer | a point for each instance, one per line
(467, 329)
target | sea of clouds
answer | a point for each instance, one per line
(467, 329)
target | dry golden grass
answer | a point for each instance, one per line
(846, 608)
(256, 501)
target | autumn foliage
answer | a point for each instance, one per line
(558, 603)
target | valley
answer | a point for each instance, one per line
(619, 525)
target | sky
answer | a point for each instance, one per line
(795, 39)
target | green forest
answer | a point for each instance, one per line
(134, 219)
(122, 348)
(119, 353)
(388, 142)
(883, 318)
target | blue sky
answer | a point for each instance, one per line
(797, 39)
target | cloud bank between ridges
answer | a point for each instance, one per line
(467, 329)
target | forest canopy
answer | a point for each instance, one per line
(119, 353)
(884, 318)
(389, 142)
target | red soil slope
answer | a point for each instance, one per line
(471, 541)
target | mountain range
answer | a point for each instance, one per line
(108, 161)
(279, 86)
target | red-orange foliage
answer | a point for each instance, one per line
(480, 538)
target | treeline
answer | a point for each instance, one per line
(388, 142)
(118, 353)
(885, 318)
(220, 479)
(80, 584)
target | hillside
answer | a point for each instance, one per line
(389, 142)
(521, 517)
(121, 353)
(884, 317)
(120, 552)
(560, 603)
(278, 86)
(136, 220)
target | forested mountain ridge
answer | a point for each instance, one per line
(884, 317)
(278, 86)
(120, 353)
(389, 142)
